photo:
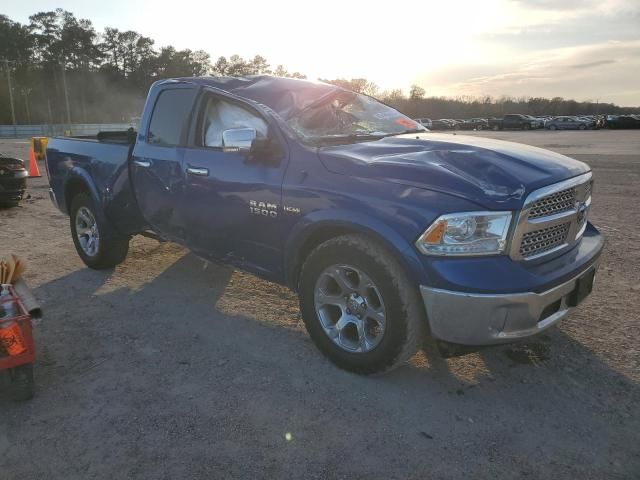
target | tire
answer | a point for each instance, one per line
(21, 387)
(526, 126)
(582, 127)
(391, 292)
(110, 247)
(553, 127)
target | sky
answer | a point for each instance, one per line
(581, 49)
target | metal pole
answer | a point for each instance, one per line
(66, 95)
(13, 110)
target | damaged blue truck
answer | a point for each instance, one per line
(388, 233)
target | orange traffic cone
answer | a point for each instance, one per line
(34, 171)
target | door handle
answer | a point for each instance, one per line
(200, 172)
(142, 163)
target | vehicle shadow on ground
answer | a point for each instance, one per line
(192, 344)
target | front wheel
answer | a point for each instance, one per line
(553, 127)
(582, 127)
(97, 244)
(526, 126)
(358, 305)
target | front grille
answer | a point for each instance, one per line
(558, 202)
(543, 240)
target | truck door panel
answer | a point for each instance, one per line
(232, 205)
(156, 163)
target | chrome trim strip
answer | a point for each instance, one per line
(54, 200)
(556, 187)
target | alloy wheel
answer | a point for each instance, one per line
(87, 231)
(350, 308)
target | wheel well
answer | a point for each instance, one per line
(73, 188)
(317, 238)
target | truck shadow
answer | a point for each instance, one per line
(182, 335)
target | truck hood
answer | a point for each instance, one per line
(492, 173)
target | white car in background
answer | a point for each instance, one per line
(425, 122)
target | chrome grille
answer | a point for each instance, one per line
(543, 240)
(558, 202)
(553, 218)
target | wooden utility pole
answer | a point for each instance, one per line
(13, 109)
(66, 95)
(25, 93)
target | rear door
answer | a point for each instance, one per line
(156, 163)
(232, 199)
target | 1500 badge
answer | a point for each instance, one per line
(270, 209)
(263, 208)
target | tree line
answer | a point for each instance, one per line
(61, 70)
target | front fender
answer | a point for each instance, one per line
(313, 225)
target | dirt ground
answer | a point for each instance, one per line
(168, 367)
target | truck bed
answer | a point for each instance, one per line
(103, 162)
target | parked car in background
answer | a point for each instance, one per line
(473, 124)
(441, 125)
(425, 122)
(543, 120)
(566, 123)
(622, 121)
(452, 122)
(13, 180)
(513, 121)
(539, 123)
(590, 120)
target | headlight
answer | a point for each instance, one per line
(471, 233)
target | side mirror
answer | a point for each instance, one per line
(238, 138)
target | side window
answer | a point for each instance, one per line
(221, 115)
(170, 116)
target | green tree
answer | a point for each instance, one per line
(416, 92)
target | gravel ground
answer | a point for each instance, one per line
(169, 367)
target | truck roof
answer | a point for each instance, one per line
(285, 96)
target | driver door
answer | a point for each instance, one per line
(232, 199)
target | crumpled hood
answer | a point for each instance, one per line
(491, 173)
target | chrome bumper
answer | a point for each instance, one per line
(486, 319)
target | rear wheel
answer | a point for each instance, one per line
(97, 244)
(553, 127)
(358, 305)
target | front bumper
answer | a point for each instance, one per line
(12, 187)
(485, 319)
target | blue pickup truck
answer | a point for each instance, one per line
(388, 232)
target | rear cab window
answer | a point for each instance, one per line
(170, 116)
